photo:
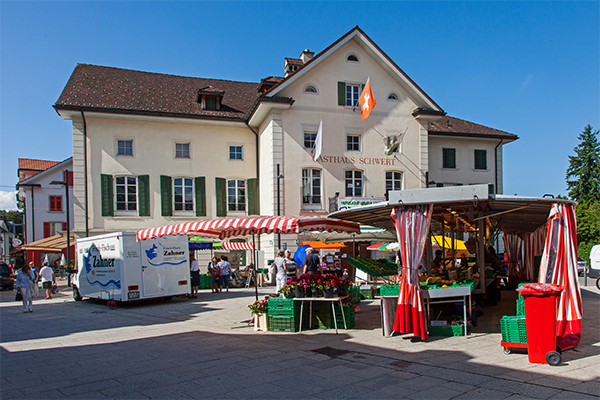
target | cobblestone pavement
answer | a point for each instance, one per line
(203, 348)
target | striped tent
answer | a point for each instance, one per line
(559, 266)
(412, 225)
(250, 225)
(237, 246)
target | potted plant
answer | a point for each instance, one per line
(259, 311)
(297, 286)
(287, 291)
(330, 283)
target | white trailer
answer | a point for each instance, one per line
(116, 266)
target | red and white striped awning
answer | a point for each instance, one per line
(245, 226)
(237, 246)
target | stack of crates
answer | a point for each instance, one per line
(348, 314)
(205, 281)
(366, 292)
(513, 329)
(354, 292)
(283, 314)
(323, 319)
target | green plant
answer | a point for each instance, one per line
(259, 306)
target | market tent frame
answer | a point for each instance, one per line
(462, 208)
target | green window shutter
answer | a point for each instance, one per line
(341, 93)
(492, 188)
(200, 187)
(480, 159)
(252, 193)
(106, 183)
(166, 196)
(144, 195)
(221, 192)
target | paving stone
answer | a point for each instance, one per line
(482, 393)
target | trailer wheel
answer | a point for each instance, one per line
(553, 358)
(507, 350)
(76, 295)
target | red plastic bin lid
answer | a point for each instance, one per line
(539, 289)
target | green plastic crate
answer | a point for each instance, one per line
(354, 292)
(513, 329)
(283, 324)
(366, 294)
(521, 306)
(392, 290)
(280, 307)
(448, 330)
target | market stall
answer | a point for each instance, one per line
(474, 210)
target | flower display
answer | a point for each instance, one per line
(259, 306)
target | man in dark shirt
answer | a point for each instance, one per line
(311, 263)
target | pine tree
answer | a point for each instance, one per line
(583, 174)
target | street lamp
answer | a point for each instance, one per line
(279, 176)
(65, 182)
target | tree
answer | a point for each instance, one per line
(588, 227)
(583, 174)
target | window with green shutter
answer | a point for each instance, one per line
(166, 196)
(106, 183)
(221, 194)
(200, 187)
(448, 158)
(341, 93)
(252, 188)
(144, 195)
(480, 159)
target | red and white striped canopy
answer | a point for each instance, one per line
(244, 226)
(237, 246)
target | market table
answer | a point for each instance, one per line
(331, 300)
(389, 304)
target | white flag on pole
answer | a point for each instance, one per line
(319, 142)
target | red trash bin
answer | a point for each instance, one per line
(540, 321)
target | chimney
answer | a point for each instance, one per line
(306, 56)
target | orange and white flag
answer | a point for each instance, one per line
(366, 100)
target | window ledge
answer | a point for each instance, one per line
(126, 217)
(449, 169)
(480, 170)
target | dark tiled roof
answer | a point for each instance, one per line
(457, 127)
(294, 61)
(98, 88)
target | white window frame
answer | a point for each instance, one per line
(348, 135)
(55, 228)
(356, 86)
(393, 180)
(353, 181)
(229, 147)
(183, 212)
(117, 140)
(189, 150)
(126, 212)
(309, 132)
(310, 179)
(236, 195)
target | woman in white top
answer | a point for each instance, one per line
(281, 276)
(24, 285)
(195, 275)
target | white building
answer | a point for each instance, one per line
(45, 202)
(153, 149)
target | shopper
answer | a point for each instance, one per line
(225, 269)
(195, 275)
(215, 273)
(35, 277)
(311, 262)
(290, 264)
(48, 279)
(24, 285)
(280, 265)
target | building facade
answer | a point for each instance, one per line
(154, 149)
(43, 198)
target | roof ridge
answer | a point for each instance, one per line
(163, 74)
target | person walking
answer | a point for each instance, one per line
(290, 264)
(48, 279)
(195, 275)
(35, 277)
(225, 268)
(215, 274)
(24, 285)
(281, 274)
(311, 262)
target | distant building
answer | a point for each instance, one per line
(44, 203)
(153, 149)
(7, 233)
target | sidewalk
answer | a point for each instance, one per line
(203, 348)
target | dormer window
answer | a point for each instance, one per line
(310, 89)
(392, 97)
(352, 58)
(210, 98)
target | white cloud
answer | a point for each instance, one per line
(8, 200)
(526, 81)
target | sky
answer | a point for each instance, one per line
(529, 68)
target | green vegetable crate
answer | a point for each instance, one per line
(513, 329)
(448, 330)
(389, 290)
(280, 307)
(205, 281)
(284, 324)
(354, 292)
